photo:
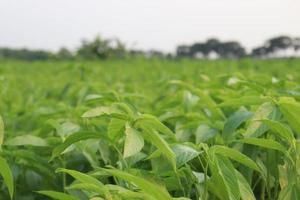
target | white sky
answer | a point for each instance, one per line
(158, 24)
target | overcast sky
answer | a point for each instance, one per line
(157, 24)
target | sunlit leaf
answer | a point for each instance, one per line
(184, 154)
(1, 131)
(134, 141)
(7, 176)
(76, 137)
(227, 173)
(152, 189)
(234, 155)
(244, 101)
(244, 187)
(204, 133)
(256, 128)
(233, 122)
(58, 195)
(265, 143)
(24, 140)
(283, 131)
(291, 111)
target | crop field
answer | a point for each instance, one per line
(150, 130)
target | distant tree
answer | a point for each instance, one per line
(197, 49)
(183, 51)
(169, 56)
(95, 49)
(259, 52)
(296, 44)
(155, 54)
(136, 53)
(117, 48)
(212, 44)
(64, 54)
(278, 43)
(24, 54)
(230, 49)
(100, 48)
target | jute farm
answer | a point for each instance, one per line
(150, 129)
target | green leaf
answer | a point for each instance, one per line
(227, 173)
(244, 101)
(86, 186)
(97, 198)
(233, 122)
(58, 195)
(96, 112)
(159, 142)
(24, 140)
(265, 143)
(154, 154)
(134, 142)
(234, 155)
(104, 110)
(84, 178)
(256, 128)
(291, 112)
(152, 189)
(200, 176)
(262, 166)
(155, 124)
(76, 137)
(205, 99)
(204, 133)
(184, 154)
(30, 159)
(283, 131)
(7, 176)
(128, 194)
(244, 187)
(1, 131)
(64, 129)
(67, 128)
(93, 97)
(253, 85)
(291, 191)
(216, 186)
(115, 128)
(124, 108)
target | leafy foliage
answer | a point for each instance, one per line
(150, 130)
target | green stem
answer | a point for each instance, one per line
(205, 177)
(121, 157)
(180, 184)
(63, 174)
(262, 197)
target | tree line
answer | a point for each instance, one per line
(233, 49)
(113, 48)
